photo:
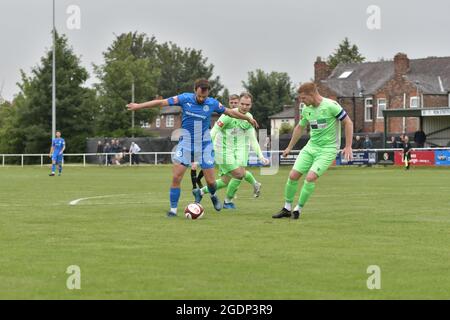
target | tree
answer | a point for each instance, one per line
(130, 59)
(156, 69)
(30, 116)
(345, 53)
(181, 67)
(271, 91)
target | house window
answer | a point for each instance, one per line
(158, 122)
(145, 124)
(170, 121)
(345, 74)
(368, 107)
(414, 102)
(381, 106)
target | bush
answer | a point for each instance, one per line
(286, 128)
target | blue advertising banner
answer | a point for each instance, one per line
(442, 157)
(359, 158)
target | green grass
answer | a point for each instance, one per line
(127, 248)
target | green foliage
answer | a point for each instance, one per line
(271, 91)
(131, 58)
(156, 70)
(285, 128)
(345, 53)
(28, 125)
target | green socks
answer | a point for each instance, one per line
(290, 190)
(233, 187)
(219, 185)
(249, 178)
(307, 190)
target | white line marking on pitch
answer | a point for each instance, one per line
(77, 201)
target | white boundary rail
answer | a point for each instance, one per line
(84, 162)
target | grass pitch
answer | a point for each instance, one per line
(127, 249)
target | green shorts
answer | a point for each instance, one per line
(225, 169)
(315, 159)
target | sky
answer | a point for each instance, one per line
(237, 36)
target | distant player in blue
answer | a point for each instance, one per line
(195, 141)
(57, 153)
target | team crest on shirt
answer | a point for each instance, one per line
(206, 108)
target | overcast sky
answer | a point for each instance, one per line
(236, 35)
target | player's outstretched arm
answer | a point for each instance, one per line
(234, 113)
(256, 147)
(348, 127)
(296, 135)
(148, 105)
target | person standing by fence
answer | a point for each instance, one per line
(134, 150)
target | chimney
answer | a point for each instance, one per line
(321, 70)
(401, 63)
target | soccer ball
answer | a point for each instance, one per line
(194, 211)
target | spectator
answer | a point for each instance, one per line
(108, 150)
(134, 151)
(400, 142)
(407, 153)
(419, 138)
(367, 144)
(117, 150)
(357, 144)
(100, 149)
(392, 143)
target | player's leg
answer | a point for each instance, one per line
(220, 184)
(238, 174)
(302, 165)
(199, 179)
(60, 164)
(54, 160)
(194, 175)
(321, 163)
(211, 184)
(250, 178)
(178, 171)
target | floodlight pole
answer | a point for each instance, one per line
(132, 112)
(54, 76)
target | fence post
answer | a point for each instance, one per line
(22, 159)
(156, 157)
(3, 160)
(84, 160)
(130, 155)
(42, 160)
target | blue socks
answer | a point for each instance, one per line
(174, 198)
(212, 189)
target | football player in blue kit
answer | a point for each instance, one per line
(195, 143)
(57, 153)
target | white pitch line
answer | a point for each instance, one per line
(75, 202)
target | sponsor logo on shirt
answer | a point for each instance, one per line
(220, 123)
(195, 115)
(318, 124)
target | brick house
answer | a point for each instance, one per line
(366, 89)
(168, 120)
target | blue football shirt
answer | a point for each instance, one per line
(58, 144)
(196, 119)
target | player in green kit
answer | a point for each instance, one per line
(232, 141)
(323, 116)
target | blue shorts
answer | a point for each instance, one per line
(185, 156)
(58, 158)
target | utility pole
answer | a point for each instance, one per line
(132, 112)
(54, 77)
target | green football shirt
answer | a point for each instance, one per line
(232, 140)
(324, 122)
